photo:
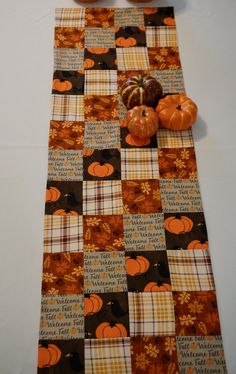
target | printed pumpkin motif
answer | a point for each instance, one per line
(70, 200)
(63, 212)
(48, 355)
(88, 63)
(157, 16)
(68, 83)
(153, 287)
(52, 194)
(100, 169)
(136, 265)
(111, 330)
(178, 224)
(69, 37)
(177, 163)
(92, 304)
(61, 86)
(130, 36)
(102, 164)
(100, 58)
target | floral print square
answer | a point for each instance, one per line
(99, 17)
(164, 58)
(141, 196)
(69, 37)
(66, 135)
(103, 233)
(177, 163)
(101, 108)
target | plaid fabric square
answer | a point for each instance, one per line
(67, 108)
(108, 356)
(174, 139)
(63, 233)
(100, 82)
(102, 197)
(139, 163)
(69, 17)
(161, 36)
(132, 58)
(151, 314)
(190, 270)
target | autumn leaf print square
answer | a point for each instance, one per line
(185, 231)
(196, 313)
(141, 196)
(63, 273)
(99, 17)
(101, 108)
(69, 37)
(66, 135)
(154, 354)
(106, 315)
(162, 16)
(147, 271)
(65, 165)
(130, 36)
(103, 233)
(177, 163)
(104, 272)
(68, 82)
(164, 58)
(100, 58)
(64, 198)
(102, 164)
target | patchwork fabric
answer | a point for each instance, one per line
(139, 164)
(102, 135)
(69, 37)
(172, 81)
(101, 108)
(101, 82)
(68, 59)
(175, 139)
(70, 17)
(65, 165)
(129, 17)
(132, 58)
(162, 58)
(67, 108)
(177, 163)
(66, 135)
(99, 37)
(161, 36)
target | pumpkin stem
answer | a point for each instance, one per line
(178, 215)
(179, 107)
(143, 114)
(102, 163)
(112, 323)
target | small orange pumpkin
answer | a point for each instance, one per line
(92, 304)
(98, 51)
(52, 194)
(111, 330)
(154, 287)
(169, 21)
(88, 152)
(125, 42)
(137, 142)
(177, 112)
(197, 244)
(136, 265)
(149, 11)
(62, 212)
(60, 85)
(100, 169)
(178, 224)
(142, 121)
(88, 63)
(48, 355)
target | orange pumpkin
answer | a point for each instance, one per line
(62, 212)
(111, 330)
(169, 21)
(137, 142)
(88, 63)
(52, 194)
(154, 287)
(178, 224)
(142, 121)
(125, 42)
(176, 112)
(88, 152)
(61, 86)
(100, 169)
(136, 265)
(48, 355)
(197, 244)
(98, 51)
(92, 304)
(149, 11)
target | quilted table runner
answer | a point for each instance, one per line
(127, 283)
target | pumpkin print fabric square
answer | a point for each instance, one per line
(65, 165)
(147, 271)
(164, 58)
(177, 163)
(69, 37)
(63, 273)
(66, 135)
(154, 355)
(99, 37)
(139, 163)
(102, 165)
(196, 313)
(130, 36)
(161, 36)
(63, 233)
(204, 353)
(190, 270)
(101, 108)
(129, 17)
(102, 198)
(64, 198)
(100, 58)
(68, 59)
(103, 233)
(66, 17)
(102, 135)
(68, 82)
(151, 314)
(144, 232)
(106, 315)
(163, 16)
(101, 82)
(132, 58)
(141, 196)
(62, 317)
(185, 231)
(67, 108)
(99, 17)
(108, 356)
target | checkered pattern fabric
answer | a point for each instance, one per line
(190, 270)
(102, 197)
(67, 108)
(108, 356)
(101, 82)
(63, 234)
(151, 314)
(135, 58)
(174, 139)
(161, 36)
(70, 17)
(139, 163)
